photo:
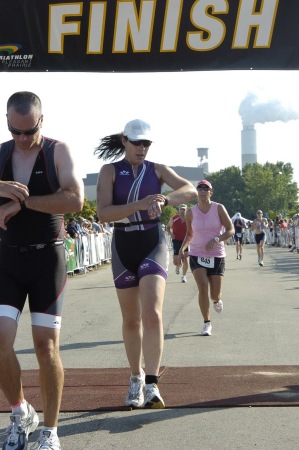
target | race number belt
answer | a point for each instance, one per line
(139, 222)
(206, 261)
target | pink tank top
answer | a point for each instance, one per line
(206, 226)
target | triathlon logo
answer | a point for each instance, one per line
(130, 278)
(11, 59)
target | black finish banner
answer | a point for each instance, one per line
(148, 35)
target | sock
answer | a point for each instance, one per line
(150, 379)
(207, 321)
(139, 376)
(53, 430)
(20, 408)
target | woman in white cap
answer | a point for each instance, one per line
(208, 227)
(129, 194)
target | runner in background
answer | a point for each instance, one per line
(176, 227)
(239, 226)
(208, 227)
(258, 227)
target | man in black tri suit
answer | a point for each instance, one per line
(239, 226)
(38, 184)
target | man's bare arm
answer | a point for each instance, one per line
(70, 197)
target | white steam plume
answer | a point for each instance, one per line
(252, 111)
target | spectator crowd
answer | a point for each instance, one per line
(281, 232)
(88, 233)
(87, 243)
(82, 227)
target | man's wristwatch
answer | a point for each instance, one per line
(216, 239)
(23, 205)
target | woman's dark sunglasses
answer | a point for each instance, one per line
(26, 132)
(203, 188)
(141, 142)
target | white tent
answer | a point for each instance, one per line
(236, 216)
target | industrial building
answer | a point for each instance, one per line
(193, 174)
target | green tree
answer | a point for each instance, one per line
(228, 186)
(89, 209)
(257, 188)
(167, 213)
(269, 187)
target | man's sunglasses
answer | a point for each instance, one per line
(25, 132)
(141, 142)
(203, 188)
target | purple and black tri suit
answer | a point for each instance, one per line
(32, 255)
(137, 249)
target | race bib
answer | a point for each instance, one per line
(239, 234)
(206, 261)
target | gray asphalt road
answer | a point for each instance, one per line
(259, 326)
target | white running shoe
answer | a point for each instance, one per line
(184, 279)
(47, 441)
(135, 395)
(261, 263)
(218, 306)
(206, 329)
(152, 397)
(20, 429)
(177, 270)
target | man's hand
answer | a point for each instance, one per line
(14, 190)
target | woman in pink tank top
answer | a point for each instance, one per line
(208, 227)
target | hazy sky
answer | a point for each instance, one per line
(186, 110)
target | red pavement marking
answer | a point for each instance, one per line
(181, 387)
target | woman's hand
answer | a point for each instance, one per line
(210, 245)
(154, 205)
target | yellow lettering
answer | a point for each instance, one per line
(171, 25)
(134, 25)
(263, 21)
(212, 29)
(59, 28)
(138, 26)
(96, 27)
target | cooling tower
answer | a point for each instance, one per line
(248, 143)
